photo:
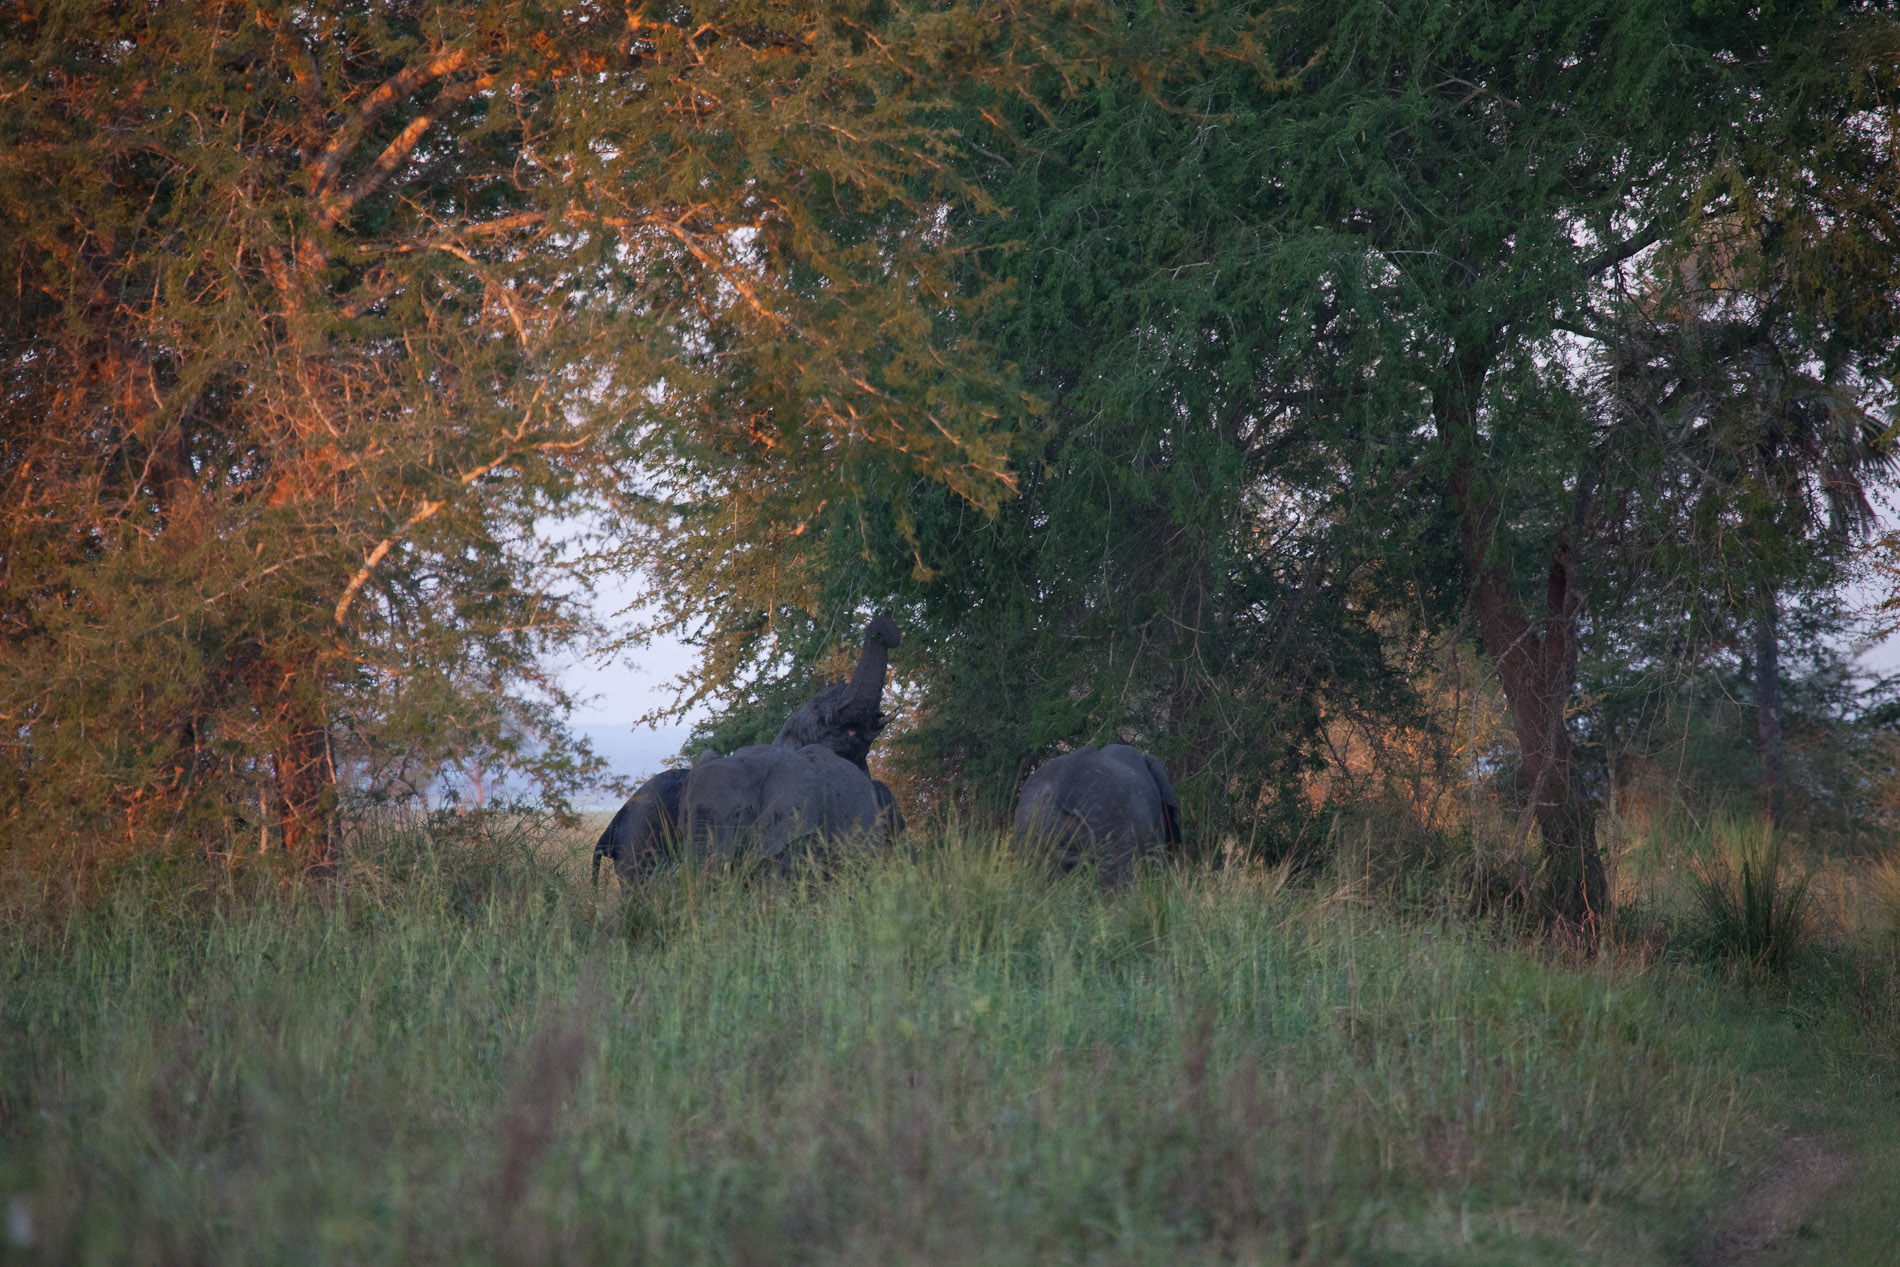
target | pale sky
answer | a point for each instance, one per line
(610, 697)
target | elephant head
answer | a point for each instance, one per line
(847, 716)
(1110, 806)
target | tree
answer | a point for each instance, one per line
(1323, 335)
(1119, 591)
(319, 310)
(1187, 564)
(1481, 185)
(1767, 447)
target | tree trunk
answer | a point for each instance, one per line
(1536, 663)
(1768, 705)
(305, 775)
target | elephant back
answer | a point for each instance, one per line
(768, 800)
(1147, 784)
(724, 804)
(847, 804)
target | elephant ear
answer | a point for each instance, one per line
(1170, 803)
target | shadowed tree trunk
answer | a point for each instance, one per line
(1768, 704)
(1535, 657)
(305, 775)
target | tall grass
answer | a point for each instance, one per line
(1885, 886)
(464, 1054)
(1752, 902)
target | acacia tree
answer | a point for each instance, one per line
(317, 310)
(1183, 566)
(1485, 184)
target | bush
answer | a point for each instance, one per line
(1752, 907)
(1885, 885)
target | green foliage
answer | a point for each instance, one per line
(949, 1059)
(1332, 316)
(1752, 905)
(756, 717)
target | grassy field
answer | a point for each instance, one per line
(464, 1054)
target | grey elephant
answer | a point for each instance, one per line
(775, 802)
(644, 830)
(1111, 806)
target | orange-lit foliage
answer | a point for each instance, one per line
(316, 311)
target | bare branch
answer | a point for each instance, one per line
(394, 154)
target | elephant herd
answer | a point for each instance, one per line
(810, 788)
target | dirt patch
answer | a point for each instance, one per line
(1772, 1211)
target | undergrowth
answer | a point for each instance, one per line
(462, 1053)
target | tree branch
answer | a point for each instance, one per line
(429, 507)
(395, 88)
(335, 207)
(1622, 251)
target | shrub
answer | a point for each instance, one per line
(1752, 907)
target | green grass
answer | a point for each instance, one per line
(465, 1055)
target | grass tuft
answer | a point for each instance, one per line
(1751, 902)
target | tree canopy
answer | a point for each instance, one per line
(1358, 321)
(1174, 374)
(320, 311)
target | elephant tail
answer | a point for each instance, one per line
(594, 877)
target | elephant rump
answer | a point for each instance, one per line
(642, 833)
(1106, 807)
(767, 800)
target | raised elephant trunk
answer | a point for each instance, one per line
(846, 717)
(867, 683)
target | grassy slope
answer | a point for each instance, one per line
(946, 1060)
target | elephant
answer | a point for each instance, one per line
(847, 717)
(643, 832)
(1111, 806)
(772, 798)
(830, 736)
(890, 818)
